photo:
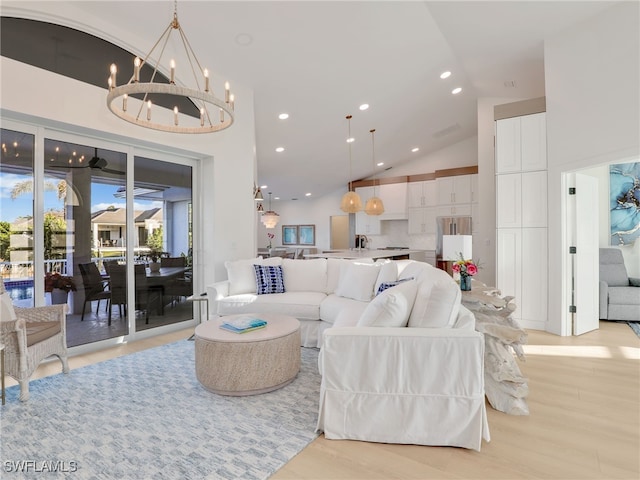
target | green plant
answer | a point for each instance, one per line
(155, 243)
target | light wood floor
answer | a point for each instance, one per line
(584, 423)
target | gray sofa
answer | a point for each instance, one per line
(619, 294)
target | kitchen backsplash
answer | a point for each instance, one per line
(395, 234)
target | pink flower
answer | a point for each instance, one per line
(455, 267)
(471, 269)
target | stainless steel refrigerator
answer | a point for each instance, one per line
(450, 226)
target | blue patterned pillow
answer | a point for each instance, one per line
(269, 279)
(384, 285)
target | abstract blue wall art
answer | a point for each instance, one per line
(624, 202)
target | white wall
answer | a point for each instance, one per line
(228, 168)
(631, 253)
(592, 73)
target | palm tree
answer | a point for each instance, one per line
(26, 186)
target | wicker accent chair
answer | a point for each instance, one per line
(29, 336)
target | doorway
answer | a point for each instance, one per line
(339, 232)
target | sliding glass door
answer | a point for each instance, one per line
(85, 222)
(16, 215)
(164, 241)
(76, 230)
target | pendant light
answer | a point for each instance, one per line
(374, 205)
(270, 218)
(351, 202)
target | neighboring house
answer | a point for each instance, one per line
(109, 227)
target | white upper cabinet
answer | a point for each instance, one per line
(454, 190)
(422, 194)
(394, 198)
(509, 200)
(521, 143)
(533, 142)
(367, 224)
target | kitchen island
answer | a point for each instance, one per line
(373, 254)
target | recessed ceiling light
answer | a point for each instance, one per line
(283, 116)
(446, 74)
(263, 186)
(415, 149)
(308, 194)
(244, 39)
(364, 106)
(456, 90)
(380, 164)
(276, 198)
(280, 149)
(351, 140)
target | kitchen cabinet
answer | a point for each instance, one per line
(422, 194)
(521, 144)
(394, 198)
(422, 220)
(522, 272)
(453, 210)
(366, 224)
(454, 190)
(521, 200)
(521, 216)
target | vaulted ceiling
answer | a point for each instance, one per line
(319, 61)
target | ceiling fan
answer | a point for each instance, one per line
(95, 162)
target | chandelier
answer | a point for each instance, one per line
(351, 202)
(270, 218)
(374, 205)
(133, 101)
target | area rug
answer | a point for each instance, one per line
(145, 415)
(635, 326)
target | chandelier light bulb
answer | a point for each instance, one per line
(136, 69)
(173, 72)
(206, 80)
(149, 110)
(175, 115)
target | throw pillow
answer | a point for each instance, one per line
(242, 278)
(384, 285)
(305, 275)
(357, 281)
(388, 273)
(391, 308)
(269, 279)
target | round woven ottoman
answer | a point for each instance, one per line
(249, 363)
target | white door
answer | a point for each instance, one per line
(586, 261)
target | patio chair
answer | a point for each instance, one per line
(95, 287)
(29, 336)
(117, 286)
(147, 295)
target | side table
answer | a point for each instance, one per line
(199, 300)
(505, 387)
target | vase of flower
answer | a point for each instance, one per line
(466, 269)
(59, 287)
(59, 296)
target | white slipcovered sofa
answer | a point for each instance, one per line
(334, 292)
(401, 366)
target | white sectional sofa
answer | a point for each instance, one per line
(334, 292)
(381, 381)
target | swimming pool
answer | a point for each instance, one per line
(19, 289)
